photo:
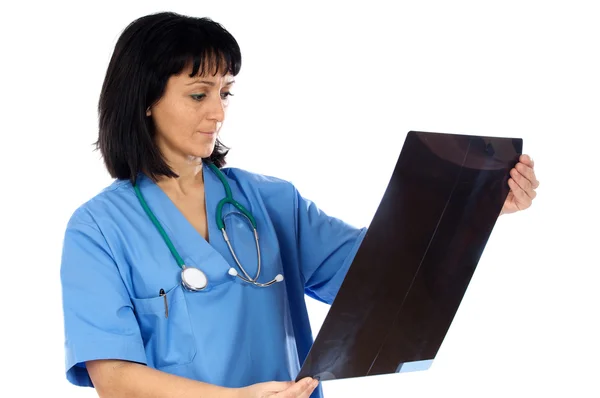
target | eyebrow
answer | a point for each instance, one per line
(209, 83)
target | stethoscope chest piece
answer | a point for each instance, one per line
(193, 279)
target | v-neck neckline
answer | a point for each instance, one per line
(179, 229)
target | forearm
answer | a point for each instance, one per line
(120, 379)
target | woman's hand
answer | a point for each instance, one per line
(523, 184)
(276, 389)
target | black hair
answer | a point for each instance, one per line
(149, 51)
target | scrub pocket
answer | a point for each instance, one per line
(168, 338)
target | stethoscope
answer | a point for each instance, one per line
(193, 278)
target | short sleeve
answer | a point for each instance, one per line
(327, 247)
(99, 322)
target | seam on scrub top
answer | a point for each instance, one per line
(110, 250)
(77, 219)
(114, 186)
(117, 185)
(424, 255)
(295, 210)
(112, 254)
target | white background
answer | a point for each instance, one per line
(341, 84)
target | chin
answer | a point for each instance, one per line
(203, 151)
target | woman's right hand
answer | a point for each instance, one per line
(276, 389)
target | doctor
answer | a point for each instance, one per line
(167, 292)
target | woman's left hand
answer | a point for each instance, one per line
(523, 184)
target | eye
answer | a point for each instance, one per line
(226, 94)
(197, 97)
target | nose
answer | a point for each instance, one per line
(216, 109)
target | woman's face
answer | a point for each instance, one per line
(189, 115)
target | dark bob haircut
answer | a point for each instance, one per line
(149, 51)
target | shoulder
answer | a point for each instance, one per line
(101, 204)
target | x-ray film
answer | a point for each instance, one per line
(415, 263)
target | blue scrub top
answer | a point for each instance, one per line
(233, 334)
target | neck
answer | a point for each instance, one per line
(190, 177)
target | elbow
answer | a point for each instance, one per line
(108, 378)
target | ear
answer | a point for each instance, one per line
(148, 112)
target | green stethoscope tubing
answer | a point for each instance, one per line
(228, 199)
(220, 224)
(162, 232)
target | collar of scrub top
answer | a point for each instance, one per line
(193, 279)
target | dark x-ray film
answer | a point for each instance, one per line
(415, 263)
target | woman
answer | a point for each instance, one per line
(154, 301)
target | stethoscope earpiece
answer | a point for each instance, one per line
(233, 272)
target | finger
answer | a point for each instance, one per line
(309, 386)
(520, 177)
(523, 183)
(277, 386)
(312, 384)
(302, 388)
(522, 200)
(530, 166)
(528, 173)
(528, 160)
